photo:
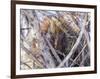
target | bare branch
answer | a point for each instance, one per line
(87, 38)
(78, 55)
(75, 45)
(26, 64)
(30, 53)
(53, 50)
(81, 64)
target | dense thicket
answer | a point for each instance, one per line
(51, 39)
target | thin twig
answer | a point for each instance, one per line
(73, 60)
(29, 52)
(53, 50)
(87, 38)
(59, 52)
(78, 55)
(84, 59)
(26, 64)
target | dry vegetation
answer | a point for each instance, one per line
(52, 39)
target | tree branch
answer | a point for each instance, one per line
(75, 45)
(78, 56)
(53, 50)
